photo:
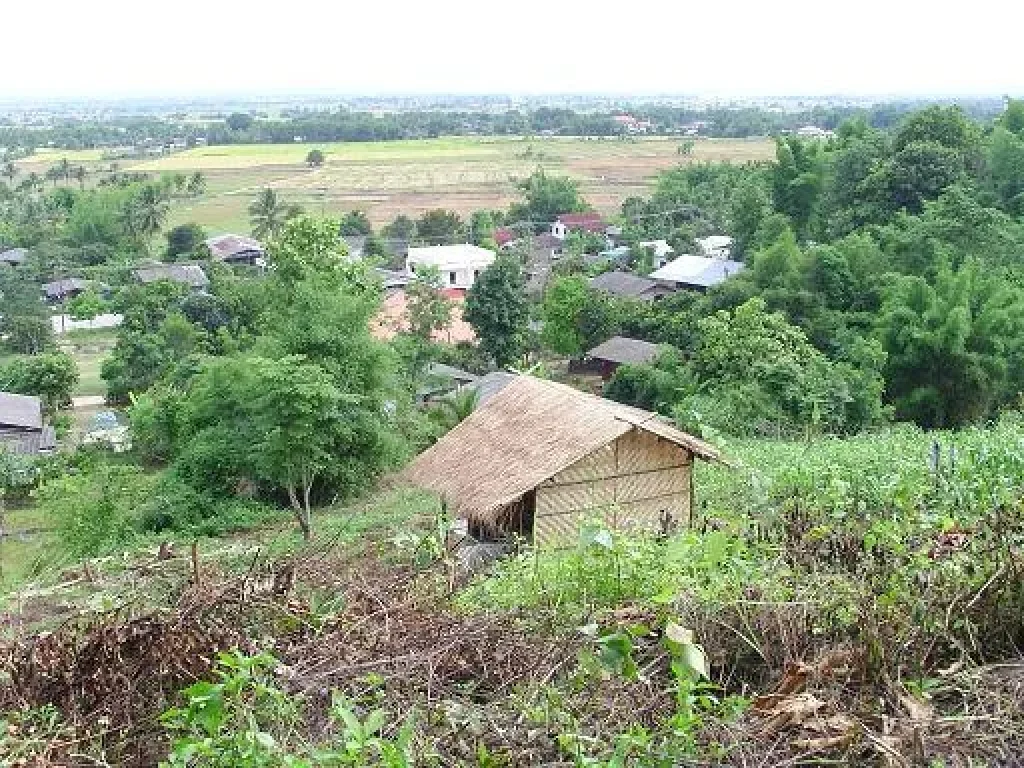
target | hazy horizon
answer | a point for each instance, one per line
(732, 51)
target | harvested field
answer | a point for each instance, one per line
(385, 179)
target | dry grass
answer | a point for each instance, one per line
(385, 179)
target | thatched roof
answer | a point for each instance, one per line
(531, 430)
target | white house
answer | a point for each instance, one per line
(662, 251)
(715, 246)
(459, 265)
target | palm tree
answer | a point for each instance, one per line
(268, 214)
(33, 182)
(53, 174)
(151, 210)
(64, 169)
(180, 180)
(79, 174)
(10, 171)
(197, 184)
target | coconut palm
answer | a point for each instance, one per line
(79, 173)
(196, 184)
(10, 170)
(53, 174)
(151, 210)
(269, 212)
(64, 169)
(180, 180)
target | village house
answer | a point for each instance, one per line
(14, 257)
(605, 358)
(393, 317)
(626, 285)
(66, 288)
(191, 275)
(22, 428)
(236, 250)
(696, 272)
(715, 246)
(661, 249)
(442, 381)
(565, 223)
(539, 458)
(459, 265)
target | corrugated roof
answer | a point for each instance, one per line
(23, 411)
(190, 274)
(623, 284)
(29, 443)
(447, 256)
(697, 271)
(620, 349)
(59, 288)
(528, 432)
(229, 246)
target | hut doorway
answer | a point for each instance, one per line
(514, 521)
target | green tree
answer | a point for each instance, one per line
(496, 308)
(150, 208)
(355, 223)
(185, 240)
(315, 158)
(269, 213)
(575, 316)
(239, 121)
(439, 227)
(51, 377)
(797, 181)
(427, 308)
(196, 184)
(10, 170)
(86, 305)
(402, 228)
(547, 196)
(947, 346)
(481, 228)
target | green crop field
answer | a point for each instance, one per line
(385, 179)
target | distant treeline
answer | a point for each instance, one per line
(347, 125)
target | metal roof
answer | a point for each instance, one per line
(620, 349)
(697, 271)
(23, 411)
(189, 274)
(623, 284)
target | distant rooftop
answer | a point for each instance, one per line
(223, 247)
(20, 411)
(621, 349)
(189, 274)
(697, 271)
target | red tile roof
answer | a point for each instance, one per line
(590, 222)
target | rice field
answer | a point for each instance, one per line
(384, 179)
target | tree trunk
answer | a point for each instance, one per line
(301, 512)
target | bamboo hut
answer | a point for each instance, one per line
(540, 457)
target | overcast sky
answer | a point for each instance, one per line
(71, 48)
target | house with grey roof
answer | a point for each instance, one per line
(66, 288)
(191, 275)
(442, 380)
(22, 428)
(606, 357)
(236, 249)
(626, 285)
(696, 272)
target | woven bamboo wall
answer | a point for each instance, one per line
(628, 483)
